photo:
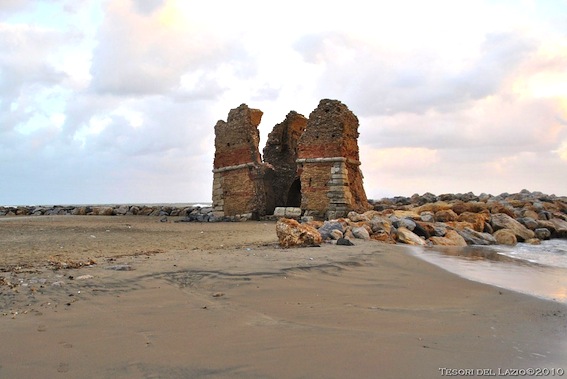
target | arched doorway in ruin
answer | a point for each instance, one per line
(293, 198)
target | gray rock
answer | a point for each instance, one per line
(476, 238)
(380, 224)
(528, 222)
(427, 216)
(542, 233)
(344, 242)
(407, 223)
(121, 210)
(361, 233)
(328, 226)
(440, 229)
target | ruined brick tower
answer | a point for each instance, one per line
(241, 182)
(281, 153)
(312, 164)
(329, 165)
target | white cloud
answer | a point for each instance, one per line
(143, 54)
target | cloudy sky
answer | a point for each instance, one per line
(114, 101)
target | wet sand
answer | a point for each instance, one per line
(189, 300)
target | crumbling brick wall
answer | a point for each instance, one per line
(241, 182)
(281, 153)
(328, 158)
(310, 163)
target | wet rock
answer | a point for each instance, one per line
(476, 238)
(504, 221)
(560, 227)
(451, 238)
(542, 233)
(505, 237)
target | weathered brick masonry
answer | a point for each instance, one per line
(309, 163)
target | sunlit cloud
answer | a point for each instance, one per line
(562, 151)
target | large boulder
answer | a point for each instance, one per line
(103, 211)
(476, 219)
(408, 237)
(528, 222)
(434, 207)
(326, 230)
(383, 237)
(357, 217)
(476, 238)
(472, 207)
(504, 221)
(406, 223)
(122, 209)
(402, 213)
(293, 234)
(380, 224)
(427, 216)
(452, 238)
(446, 215)
(360, 232)
(505, 237)
(336, 234)
(542, 233)
(560, 227)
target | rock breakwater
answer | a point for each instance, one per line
(454, 220)
(185, 213)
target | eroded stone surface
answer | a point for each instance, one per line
(281, 153)
(312, 164)
(328, 158)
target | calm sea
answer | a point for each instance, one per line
(538, 270)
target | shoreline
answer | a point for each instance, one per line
(223, 300)
(485, 265)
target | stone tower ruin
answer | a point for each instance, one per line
(241, 181)
(312, 164)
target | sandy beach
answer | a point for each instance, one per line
(132, 297)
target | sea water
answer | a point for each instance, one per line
(538, 270)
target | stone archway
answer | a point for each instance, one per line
(293, 198)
